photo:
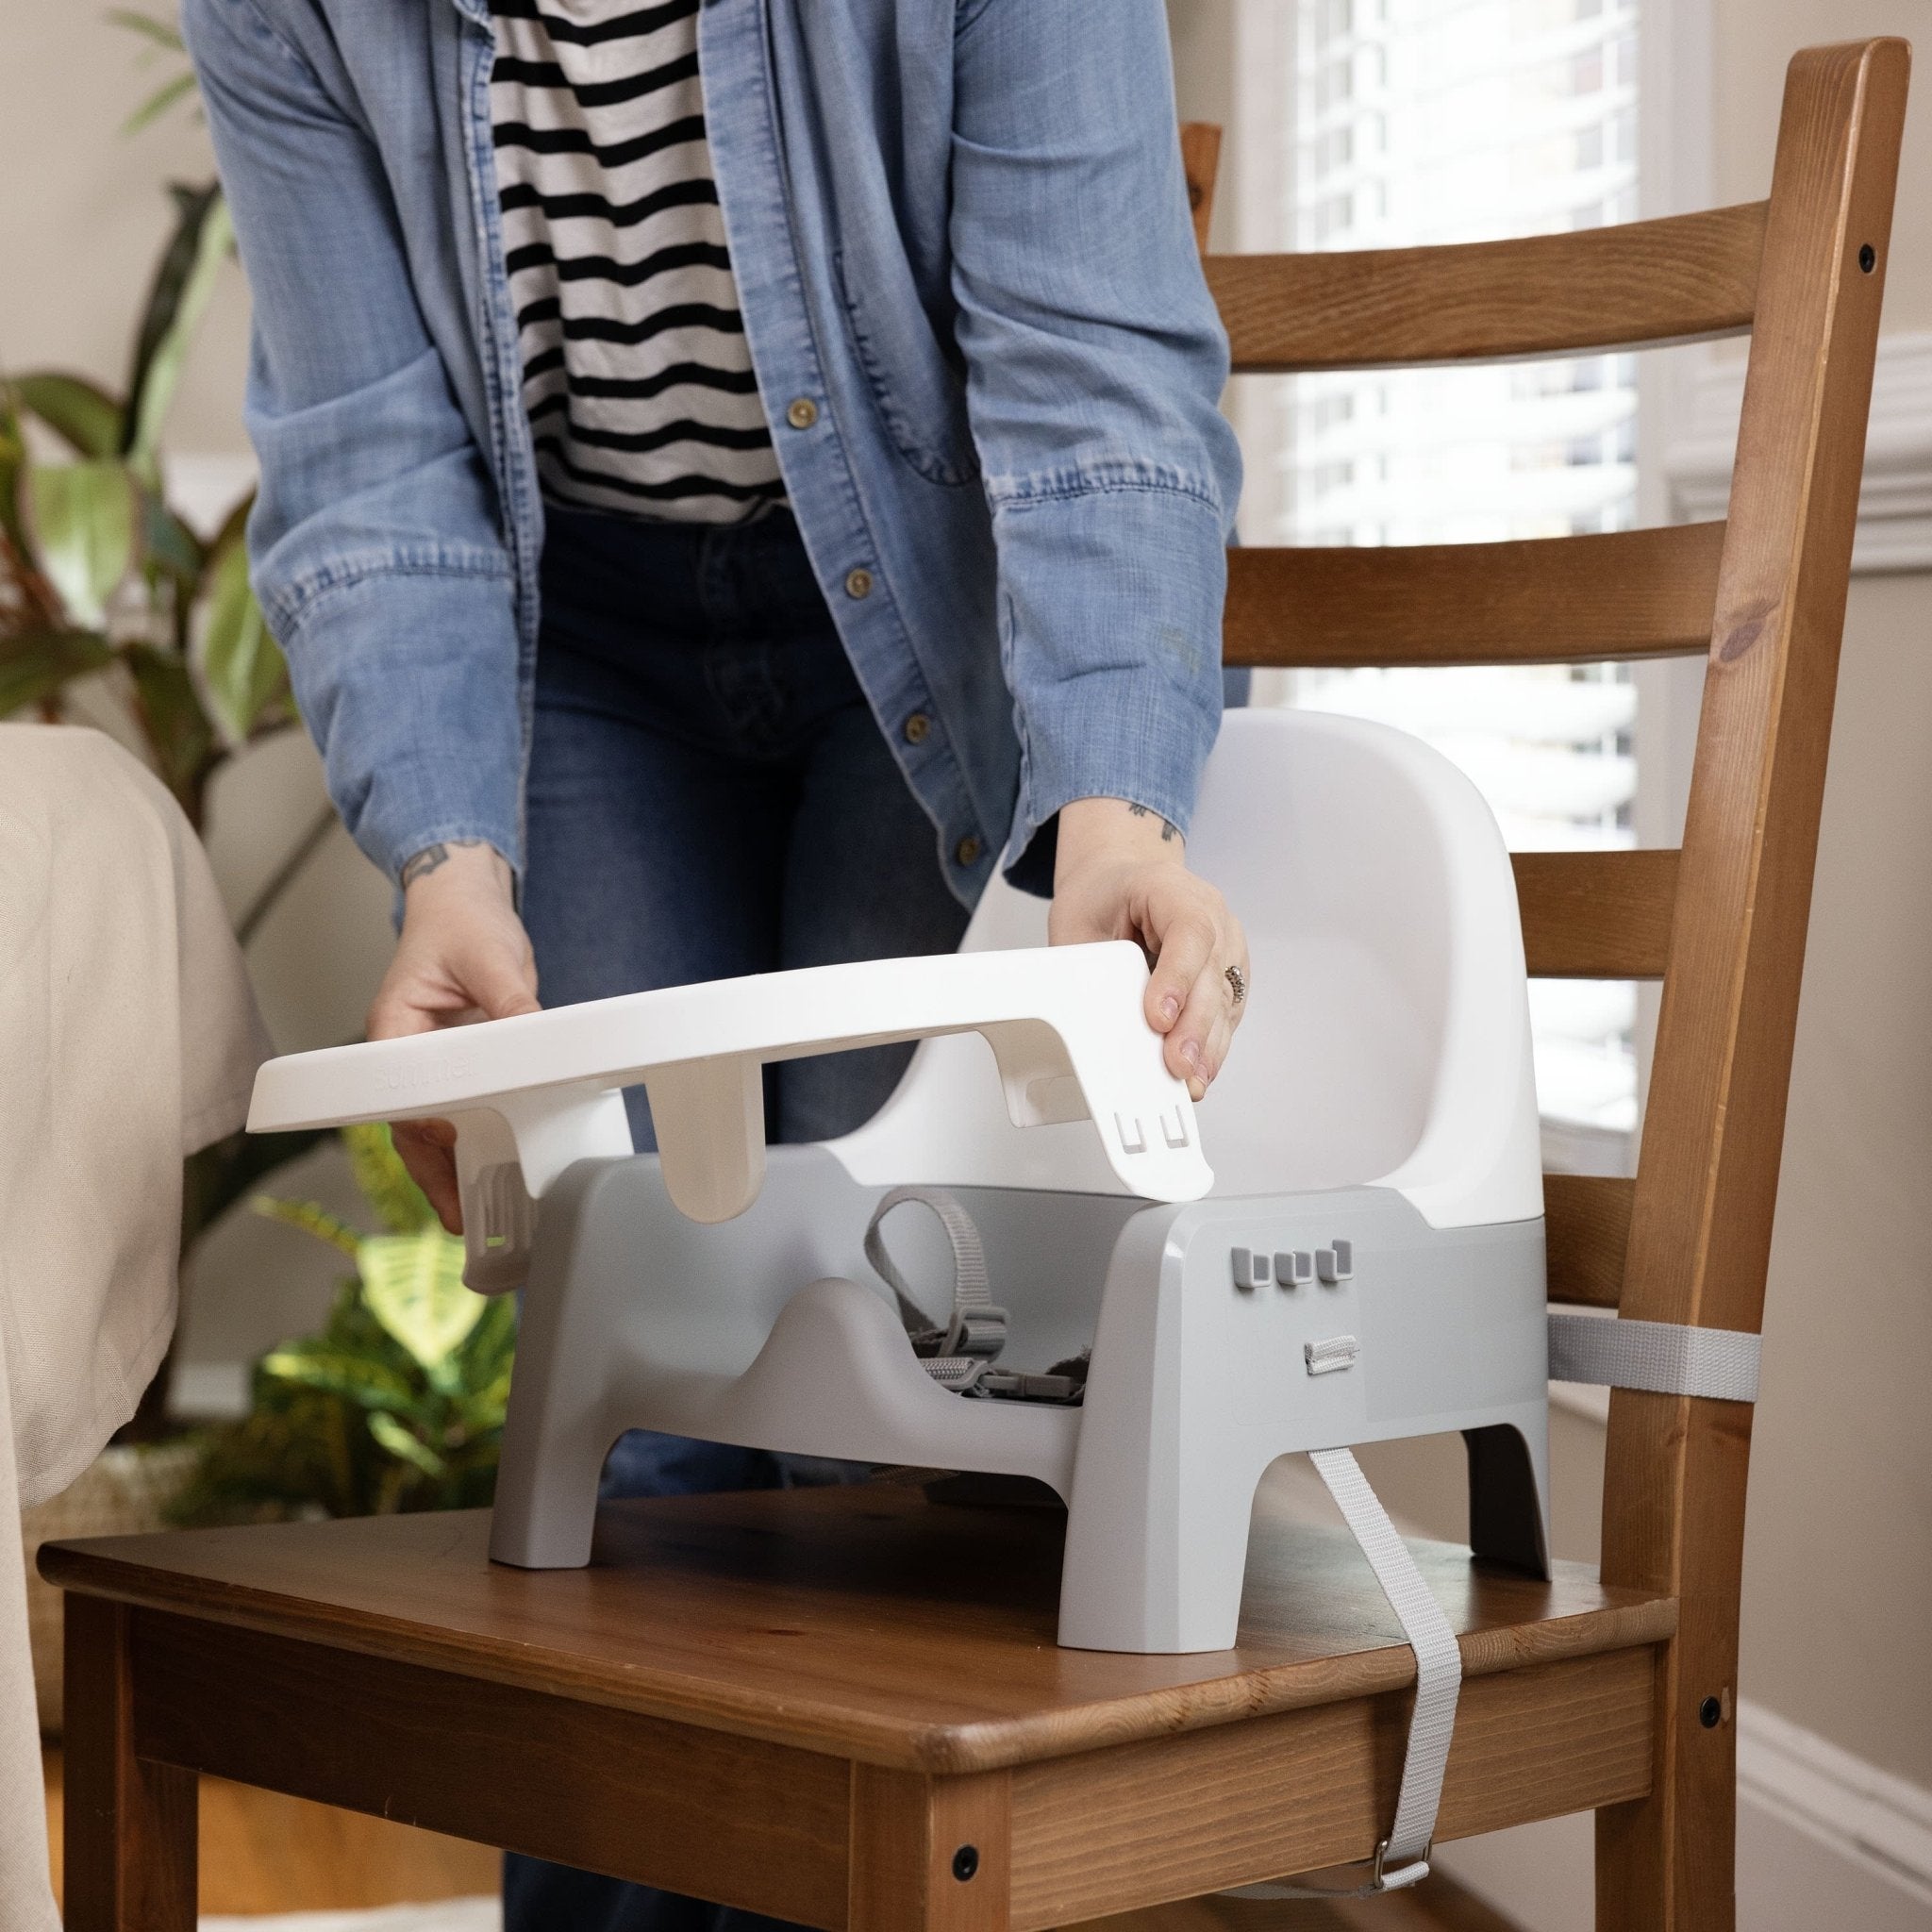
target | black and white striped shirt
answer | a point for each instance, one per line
(636, 376)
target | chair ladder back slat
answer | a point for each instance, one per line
(1586, 1229)
(1575, 600)
(1699, 1235)
(1597, 915)
(1680, 279)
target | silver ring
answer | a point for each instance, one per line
(1237, 984)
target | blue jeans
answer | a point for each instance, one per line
(709, 794)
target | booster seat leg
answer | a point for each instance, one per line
(1155, 1567)
(1508, 1499)
(546, 1495)
(558, 1428)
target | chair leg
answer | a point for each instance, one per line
(930, 1854)
(1668, 1862)
(131, 1823)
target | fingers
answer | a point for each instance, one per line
(428, 1151)
(1184, 943)
(463, 955)
(1226, 1011)
(1200, 1040)
(1194, 939)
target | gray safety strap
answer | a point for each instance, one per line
(957, 1356)
(1403, 1856)
(1663, 1357)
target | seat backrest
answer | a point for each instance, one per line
(1388, 1032)
(1722, 922)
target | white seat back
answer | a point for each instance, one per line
(1388, 1034)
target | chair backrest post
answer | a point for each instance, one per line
(1700, 1229)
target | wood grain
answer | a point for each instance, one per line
(129, 1822)
(864, 1622)
(754, 1826)
(908, 1833)
(1571, 600)
(1168, 1819)
(1701, 1221)
(1436, 1905)
(1586, 1233)
(1201, 162)
(1672, 280)
(265, 1852)
(1597, 915)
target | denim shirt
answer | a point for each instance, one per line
(980, 328)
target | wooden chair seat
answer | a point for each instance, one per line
(744, 1690)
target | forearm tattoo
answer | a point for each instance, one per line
(1168, 834)
(427, 860)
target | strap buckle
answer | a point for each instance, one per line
(1380, 1878)
(1416, 1868)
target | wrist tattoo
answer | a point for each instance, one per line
(1168, 834)
(427, 860)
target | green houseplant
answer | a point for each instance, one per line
(396, 1403)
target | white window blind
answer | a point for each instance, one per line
(1430, 121)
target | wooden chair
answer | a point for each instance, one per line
(847, 1707)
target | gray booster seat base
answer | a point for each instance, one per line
(1200, 1374)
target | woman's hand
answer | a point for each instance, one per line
(1120, 874)
(463, 955)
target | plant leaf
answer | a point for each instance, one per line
(13, 461)
(403, 1445)
(334, 1372)
(35, 664)
(80, 411)
(83, 518)
(242, 675)
(159, 102)
(178, 730)
(183, 283)
(413, 1285)
(400, 1204)
(160, 31)
(312, 1218)
(215, 1178)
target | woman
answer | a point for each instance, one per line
(731, 475)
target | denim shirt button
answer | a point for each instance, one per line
(803, 413)
(859, 583)
(967, 851)
(917, 726)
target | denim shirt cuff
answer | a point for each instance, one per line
(1141, 740)
(408, 679)
(1111, 630)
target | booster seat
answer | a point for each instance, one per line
(1364, 1261)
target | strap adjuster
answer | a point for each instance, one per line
(1416, 1868)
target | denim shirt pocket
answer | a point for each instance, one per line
(918, 391)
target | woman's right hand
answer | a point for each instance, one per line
(463, 955)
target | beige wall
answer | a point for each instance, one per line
(1754, 41)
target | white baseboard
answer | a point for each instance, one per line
(1854, 1812)
(1895, 506)
(1824, 1839)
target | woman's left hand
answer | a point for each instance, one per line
(1121, 872)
